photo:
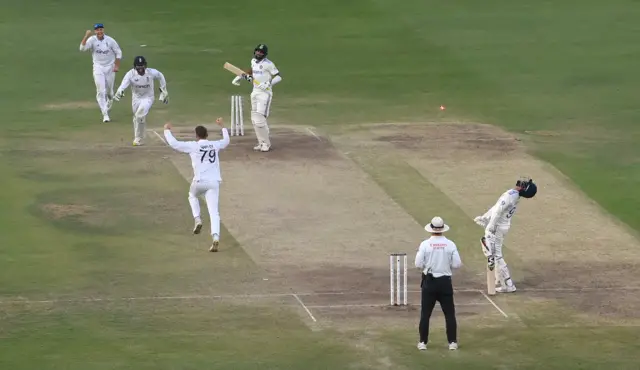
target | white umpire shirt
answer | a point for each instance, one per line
(437, 256)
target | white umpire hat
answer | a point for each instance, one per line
(437, 225)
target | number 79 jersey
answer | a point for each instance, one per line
(205, 155)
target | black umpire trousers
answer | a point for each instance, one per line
(434, 290)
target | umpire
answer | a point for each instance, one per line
(435, 258)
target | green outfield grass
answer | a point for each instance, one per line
(84, 215)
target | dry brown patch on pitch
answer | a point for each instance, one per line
(71, 105)
(304, 208)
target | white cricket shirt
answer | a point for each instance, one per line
(205, 158)
(437, 256)
(263, 71)
(142, 86)
(104, 52)
(500, 214)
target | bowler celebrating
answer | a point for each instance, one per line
(205, 160)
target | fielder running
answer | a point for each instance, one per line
(205, 160)
(497, 222)
(265, 73)
(141, 78)
(106, 56)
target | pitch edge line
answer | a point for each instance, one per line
(494, 304)
(305, 307)
(276, 295)
(159, 137)
(314, 134)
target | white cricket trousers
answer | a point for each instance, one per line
(140, 108)
(260, 107)
(261, 102)
(211, 191)
(495, 242)
(104, 77)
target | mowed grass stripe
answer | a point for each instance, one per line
(420, 199)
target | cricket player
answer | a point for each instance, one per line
(106, 56)
(266, 75)
(141, 78)
(497, 221)
(205, 160)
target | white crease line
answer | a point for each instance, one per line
(302, 294)
(305, 307)
(364, 305)
(151, 298)
(579, 289)
(494, 304)
(314, 134)
(158, 135)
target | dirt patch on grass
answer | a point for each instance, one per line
(71, 105)
(59, 211)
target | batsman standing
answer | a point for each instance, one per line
(264, 75)
(106, 54)
(497, 221)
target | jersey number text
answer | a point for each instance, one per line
(208, 154)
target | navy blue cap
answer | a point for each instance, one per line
(98, 25)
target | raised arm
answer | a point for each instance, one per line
(181, 146)
(224, 142)
(83, 43)
(221, 144)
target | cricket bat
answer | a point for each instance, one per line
(491, 282)
(237, 71)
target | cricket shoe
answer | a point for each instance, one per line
(109, 102)
(197, 227)
(505, 289)
(138, 142)
(453, 346)
(216, 243)
(262, 147)
(105, 118)
(422, 346)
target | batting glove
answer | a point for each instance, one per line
(236, 81)
(480, 221)
(247, 77)
(118, 96)
(265, 85)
